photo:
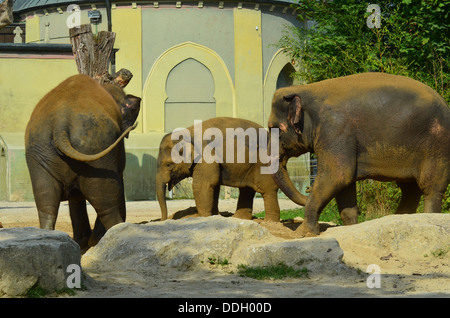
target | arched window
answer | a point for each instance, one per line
(285, 77)
(190, 91)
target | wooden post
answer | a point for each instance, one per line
(92, 55)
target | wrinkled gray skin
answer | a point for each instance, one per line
(207, 177)
(370, 125)
(75, 151)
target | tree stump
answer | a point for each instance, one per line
(92, 55)
(6, 13)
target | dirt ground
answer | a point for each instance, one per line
(398, 278)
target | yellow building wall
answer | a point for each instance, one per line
(248, 64)
(128, 28)
(23, 82)
(32, 26)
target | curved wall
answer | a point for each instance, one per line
(190, 60)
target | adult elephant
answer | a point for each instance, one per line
(370, 125)
(208, 175)
(75, 151)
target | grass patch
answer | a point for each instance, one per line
(327, 215)
(279, 271)
(284, 214)
(440, 253)
(38, 292)
(218, 261)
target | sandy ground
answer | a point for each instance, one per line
(398, 278)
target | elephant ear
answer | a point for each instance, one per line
(295, 110)
(130, 110)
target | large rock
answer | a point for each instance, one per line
(189, 244)
(315, 253)
(407, 244)
(408, 236)
(34, 257)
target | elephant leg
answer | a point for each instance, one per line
(215, 210)
(80, 222)
(271, 206)
(411, 194)
(347, 204)
(317, 200)
(47, 194)
(433, 184)
(107, 198)
(99, 229)
(97, 233)
(433, 201)
(245, 203)
(205, 183)
(333, 177)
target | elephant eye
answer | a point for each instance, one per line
(169, 165)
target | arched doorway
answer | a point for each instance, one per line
(190, 95)
(285, 77)
(278, 75)
(202, 60)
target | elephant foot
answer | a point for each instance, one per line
(304, 230)
(93, 240)
(204, 214)
(245, 214)
(349, 216)
(83, 242)
(272, 217)
(84, 249)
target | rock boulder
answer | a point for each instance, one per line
(31, 256)
(409, 237)
(189, 243)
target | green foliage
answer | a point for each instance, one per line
(413, 40)
(279, 271)
(290, 214)
(216, 261)
(284, 214)
(38, 292)
(441, 253)
(376, 199)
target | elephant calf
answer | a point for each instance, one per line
(208, 176)
(75, 151)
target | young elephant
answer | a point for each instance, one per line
(75, 151)
(207, 177)
(370, 125)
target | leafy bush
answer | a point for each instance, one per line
(412, 40)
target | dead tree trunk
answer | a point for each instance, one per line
(6, 13)
(92, 55)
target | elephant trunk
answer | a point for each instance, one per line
(161, 195)
(281, 178)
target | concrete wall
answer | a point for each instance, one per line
(189, 62)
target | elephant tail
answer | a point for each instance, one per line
(62, 142)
